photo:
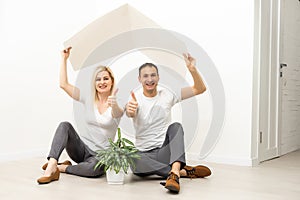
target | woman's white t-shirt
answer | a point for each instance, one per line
(99, 127)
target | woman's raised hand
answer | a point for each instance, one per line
(66, 53)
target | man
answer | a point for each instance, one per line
(160, 144)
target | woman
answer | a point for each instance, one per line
(102, 117)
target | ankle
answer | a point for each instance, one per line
(51, 168)
(175, 172)
(52, 161)
(176, 168)
(183, 172)
(62, 168)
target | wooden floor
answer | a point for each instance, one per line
(275, 179)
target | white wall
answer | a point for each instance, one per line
(32, 33)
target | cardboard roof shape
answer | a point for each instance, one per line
(119, 31)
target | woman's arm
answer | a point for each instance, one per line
(71, 90)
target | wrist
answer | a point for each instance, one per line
(192, 68)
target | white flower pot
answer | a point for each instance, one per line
(113, 178)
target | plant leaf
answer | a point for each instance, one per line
(119, 155)
(128, 141)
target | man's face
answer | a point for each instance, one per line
(149, 79)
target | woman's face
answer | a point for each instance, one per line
(103, 82)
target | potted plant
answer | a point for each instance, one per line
(117, 159)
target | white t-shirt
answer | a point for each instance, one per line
(99, 127)
(153, 117)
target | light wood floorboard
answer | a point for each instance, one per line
(277, 179)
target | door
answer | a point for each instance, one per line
(268, 39)
(289, 56)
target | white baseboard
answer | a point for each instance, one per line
(23, 155)
(222, 159)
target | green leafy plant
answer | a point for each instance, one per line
(120, 155)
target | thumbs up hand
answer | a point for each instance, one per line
(116, 111)
(133, 96)
(112, 100)
(132, 106)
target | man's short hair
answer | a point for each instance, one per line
(147, 65)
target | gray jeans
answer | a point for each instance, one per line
(158, 161)
(67, 138)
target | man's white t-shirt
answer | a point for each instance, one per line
(99, 127)
(153, 117)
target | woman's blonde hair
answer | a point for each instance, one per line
(98, 70)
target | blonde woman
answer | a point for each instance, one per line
(102, 118)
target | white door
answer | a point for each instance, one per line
(268, 65)
(289, 56)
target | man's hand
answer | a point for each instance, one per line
(199, 86)
(132, 106)
(189, 61)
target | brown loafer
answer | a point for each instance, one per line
(172, 183)
(48, 179)
(199, 171)
(66, 162)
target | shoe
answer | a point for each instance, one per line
(66, 162)
(172, 183)
(199, 171)
(48, 179)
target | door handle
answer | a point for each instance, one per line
(282, 65)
